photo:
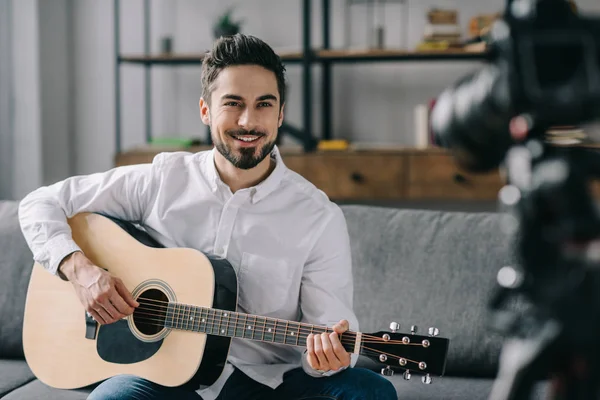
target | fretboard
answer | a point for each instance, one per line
(247, 326)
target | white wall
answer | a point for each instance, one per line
(57, 101)
(6, 95)
(372, 102)
(35, 105)
(27, 151)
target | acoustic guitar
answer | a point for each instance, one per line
(182, 330)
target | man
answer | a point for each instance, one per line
(287, 241)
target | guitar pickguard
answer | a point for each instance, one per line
(117, 344)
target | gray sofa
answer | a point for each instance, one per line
(423, 268)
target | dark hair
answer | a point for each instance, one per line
(240, 49)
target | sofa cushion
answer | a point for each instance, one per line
(448, 388)
(16, 262)
(38, 390)
(428, 268)
(13, 374)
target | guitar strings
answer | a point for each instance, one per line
(181, 318)
(212, 321)
(372, 350)
(346, 338)
(304, 329)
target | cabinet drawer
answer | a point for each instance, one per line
(347, 176)
(437, 176)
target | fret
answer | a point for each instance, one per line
(239, 327)
(290, 333)
(182, 314)
(253, 327)
(222, 329)
(194, 319)
(183, 319)
(349, 341)
(177, 316)
(317, 330)
(231, 323)
(279, 334)
(269, 333)
(210, 321)
(169, 318)
(191, 318)
(199, 319)
(264, 328)
(244, 327)
(220, 319)
(216, 320)
(173, 313)
(186, 316)
(202, 322)
(298, 334)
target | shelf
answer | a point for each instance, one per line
(366, 55)
(397, 55)
(189, 59)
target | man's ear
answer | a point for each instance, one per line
(204, 111)
(280, 122)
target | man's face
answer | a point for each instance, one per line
(244, 114)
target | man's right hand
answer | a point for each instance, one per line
(104, 296)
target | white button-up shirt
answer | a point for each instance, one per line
(287, 242)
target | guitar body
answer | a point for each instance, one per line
(66, 349)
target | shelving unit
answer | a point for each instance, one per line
(326, 57)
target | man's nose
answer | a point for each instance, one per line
(247, 118)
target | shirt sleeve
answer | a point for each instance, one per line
(123, 192)
(327, 285)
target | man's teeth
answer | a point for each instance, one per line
(247, 138)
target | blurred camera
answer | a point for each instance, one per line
(545, 66)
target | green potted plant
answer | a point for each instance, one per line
(226, 26)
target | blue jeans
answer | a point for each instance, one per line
(351, 384)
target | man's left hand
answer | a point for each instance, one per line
(325, 351)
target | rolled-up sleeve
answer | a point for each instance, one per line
(123, 192)
(327, 285)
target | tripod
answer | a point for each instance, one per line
(557, 338)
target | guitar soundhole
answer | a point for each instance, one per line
(149, 317)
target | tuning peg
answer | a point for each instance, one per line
(394, 326)
(406, 375)
(434, 331)
(387, 371)
(426, 379)
(413, 329)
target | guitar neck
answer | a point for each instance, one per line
(252, 327)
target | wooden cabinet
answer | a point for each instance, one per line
(392, 174)
(353, 175)
(436, 176)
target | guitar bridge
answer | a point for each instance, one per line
(90, 326)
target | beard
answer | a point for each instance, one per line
(245, 157)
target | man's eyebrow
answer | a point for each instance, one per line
(231, 96)
(266, 97)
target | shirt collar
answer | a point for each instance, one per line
(257, 192)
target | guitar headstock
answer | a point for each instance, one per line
(407, 352)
